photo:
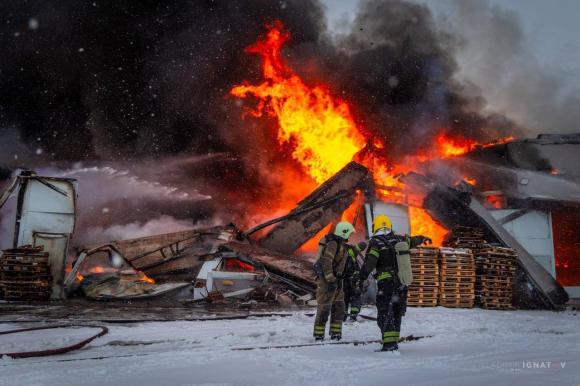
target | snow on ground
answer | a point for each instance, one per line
(474, 347)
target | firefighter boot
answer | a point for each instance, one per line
(336, 331)
(354, 313)
(392, 346)
(319, 332)
(390, 341)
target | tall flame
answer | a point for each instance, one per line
(322, 133)
(320, 128)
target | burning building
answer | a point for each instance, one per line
(340, 130)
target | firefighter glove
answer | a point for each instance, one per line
(331, 286)
(362, 246)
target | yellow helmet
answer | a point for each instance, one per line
(381, 221)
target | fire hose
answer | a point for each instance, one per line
(55, 351)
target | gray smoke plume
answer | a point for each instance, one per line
(494, 56)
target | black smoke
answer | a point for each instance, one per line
(123, 81)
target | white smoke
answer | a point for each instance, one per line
(118, 201)
(161, 225)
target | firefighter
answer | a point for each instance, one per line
(329, 269)
(352, 293)
(388, 253)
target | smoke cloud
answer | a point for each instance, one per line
(494, 57)
(132, 98)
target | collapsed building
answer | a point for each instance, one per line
(526, 196)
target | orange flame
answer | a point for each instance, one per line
(470, 181)
(499, 141)
(142, 277)
(320, 128)
(322, 134)
(453, 147)
(96, 269)
(423, 224)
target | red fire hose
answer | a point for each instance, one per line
(56, 351)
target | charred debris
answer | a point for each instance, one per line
(224, 264)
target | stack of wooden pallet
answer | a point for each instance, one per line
(465, 237)
(25, 274)
(496, 272)
(457, 277)
(424, 292)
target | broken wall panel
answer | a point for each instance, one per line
(164, 256)
(292, 267)
(290, 234)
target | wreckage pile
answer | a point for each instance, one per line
(25, 274)
(457, 278)
(496, 268)
(424, 292)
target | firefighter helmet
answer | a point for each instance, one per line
(382, 221)
(344, 229)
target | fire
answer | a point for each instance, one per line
(323, 137)
(500, 141)
(142, 277)
(456, 146)
(470, 181)
(319, 128)
(96, 269)
(453, 147)
(423, 224)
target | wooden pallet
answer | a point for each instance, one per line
(497, 260)
(426, 283)
(448, 304)
(497, 268)
(25, 274)
(458, 276)
(458, 279)
(433, 297)
(421, 303)
(413, 289)
(10, 275)
(457, 272)
(25, 283)
(424, 266)
(424, 272)
(18, 295)
(497, 280)
(453, 286)
(23, 268)
(424, 292)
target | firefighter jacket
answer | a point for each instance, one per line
(332, 258)
(382, 255)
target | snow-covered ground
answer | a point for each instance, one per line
(468, 347)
